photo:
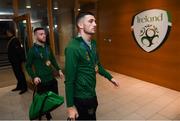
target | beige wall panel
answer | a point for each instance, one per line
(66, 29)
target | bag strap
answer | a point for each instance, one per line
(40, 112)
(35, 88)
(42, 106)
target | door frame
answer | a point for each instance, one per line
(28, 24)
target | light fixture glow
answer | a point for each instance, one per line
(28, 4)
(55, 25)
(6, 19)
(24, 21)
(55, 5)
(6, 13)
(55, 8)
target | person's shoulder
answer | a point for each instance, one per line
(15, 39)
(93, 41)
(74, 42)
(32, 49)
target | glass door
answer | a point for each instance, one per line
(24, 31)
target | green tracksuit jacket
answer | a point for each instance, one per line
(80, 74)
(36, 63)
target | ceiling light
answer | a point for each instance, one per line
(28, 4)
(55, 5)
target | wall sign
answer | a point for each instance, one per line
(150, 28)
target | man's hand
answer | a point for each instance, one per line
(61, 74)
(37, 80)
(115, 82)
(72, 113)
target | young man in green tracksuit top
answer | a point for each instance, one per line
(40, 64)
(81, 66)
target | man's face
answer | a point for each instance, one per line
(89, 24)
(40, 36)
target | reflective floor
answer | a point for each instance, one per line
(134, 100)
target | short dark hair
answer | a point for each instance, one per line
(38, 28)
(81, 14)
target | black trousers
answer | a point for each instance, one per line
(51, 86)
(86, 108)
(19, 74)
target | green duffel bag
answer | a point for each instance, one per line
(43, 103)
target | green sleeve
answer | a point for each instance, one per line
(29, 63)
(71, 61)
(53, 61)
(103, 72)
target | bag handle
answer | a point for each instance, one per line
(35, 89)
(40, 112)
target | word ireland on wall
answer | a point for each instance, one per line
(150, 28)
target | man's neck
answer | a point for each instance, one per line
(85, 36)
(40, 43)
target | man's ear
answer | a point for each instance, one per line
(35, 37)
(80, 24)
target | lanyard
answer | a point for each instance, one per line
(89, 52)
(40, 54)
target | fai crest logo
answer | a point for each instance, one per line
(150, 28)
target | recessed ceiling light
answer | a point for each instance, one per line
(55, 5)
(55, 8)
(28, 6)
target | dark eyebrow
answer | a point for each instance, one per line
(92, 19)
